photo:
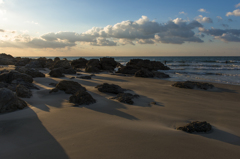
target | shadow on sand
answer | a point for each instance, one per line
(22, 136)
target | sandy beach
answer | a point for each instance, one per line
(51, 127)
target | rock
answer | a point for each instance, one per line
(196, 126)
(79, 63)
(108, 63)
(110, 88)
(147, 64)
(61, 64)
(22, 62)
(9, 101)
(125, 97)
(79, 74)
(7, 59)
(144, 73)
(93, 65)
(72, 77)
(192, 85)
(49, 63)
(57, 72)
(161, 75)
(82, 97)
(70, 87)
(56, 59)
(53, 84)
(85, 77)
(14, 75)
(68, 71)
(23, 92)
(34, 64)
(34, 73)
(128, 70)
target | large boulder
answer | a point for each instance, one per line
(61, 64)
(82, 97)
(34, 64)
(30, 71)
(79, 63)
(57, 72)
(15, 76)
(9, 101)
(125, 97)
(110, 88)
(70, 87)
(128, 69)
(22, 62)
(196, 126)
(7, 59)
(144, 73)
(23, 91)
(147, 64)
(93, 65)
(68, 71)
(108, 63)
(192, 85)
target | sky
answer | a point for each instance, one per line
(120, 28)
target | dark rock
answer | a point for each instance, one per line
(53, 84)
(17, 76)
(82, 97)
(23, 92)
(110, 88)
(125, 97)
(85, 77)
(79, 74)
(54, 90)
(147, 64)
(22, 62)
(34, 64)
(56, 59)
(49, 63)
(68, 71)
(79, 63)
(7, 59)
(196, 126)
(62, 64)
(57, 72)
(192, 85)
(9, 101)
(128, 70)
(161, 75)
(34, 73)
(70, 87)
(93, 65)
(108, 63)
(144, 73)
(72, 77)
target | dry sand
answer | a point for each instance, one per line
(52, 128)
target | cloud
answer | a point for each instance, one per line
(183, 13)
(203, 10)
(226, 35)
(237, 5)
(230, 20)
(141, 31)
(1, 30)
(225, 25)
(219, 18)
(202, 19)
(234, 13)
(1, 2)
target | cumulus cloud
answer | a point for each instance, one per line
(1, 30)
(141, 31)
(226, 35)
(237, 5)
(183, 13)
(1, 2)
(202, 10)
(234, 13)
(202, 19)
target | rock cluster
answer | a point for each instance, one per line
(110, 88)
(30, 71)
(105, 63)
(6, 59)
(196, 126)
(192, 85)
(79, 93)
(79, 63)
(125, 97)
(9, 101)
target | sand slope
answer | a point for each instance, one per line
(52, 128)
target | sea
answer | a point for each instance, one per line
(217, 69)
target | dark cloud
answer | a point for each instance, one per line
(39, 43)
(1, 30)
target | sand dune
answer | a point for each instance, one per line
(51, 127)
